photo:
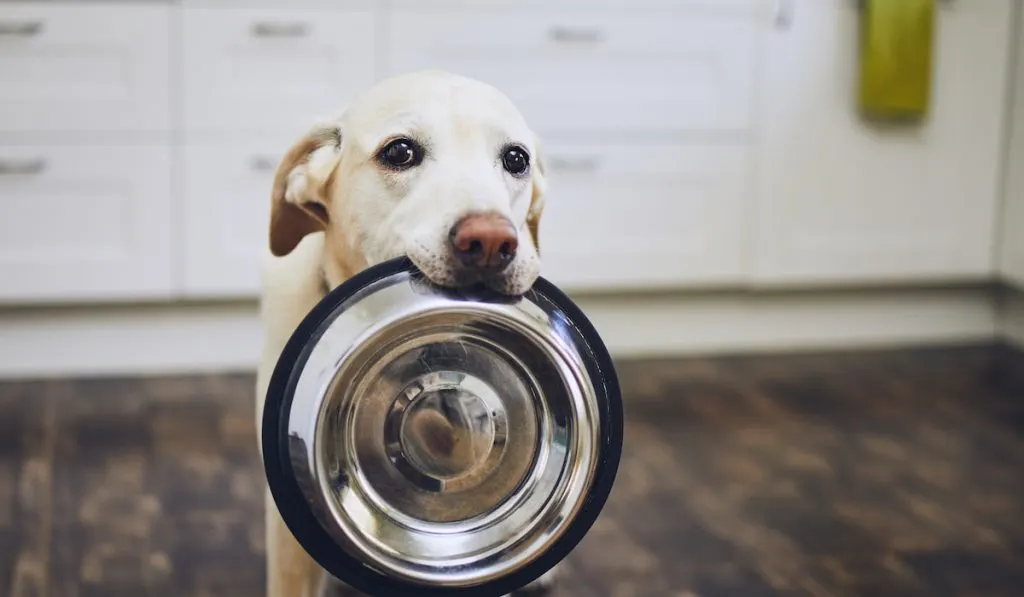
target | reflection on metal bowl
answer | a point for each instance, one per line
(426, 441)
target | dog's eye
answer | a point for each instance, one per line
(515, 160)
(401, 153)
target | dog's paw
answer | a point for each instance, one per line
(332, 587)
(542, 586)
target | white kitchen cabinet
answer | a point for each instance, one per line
(839, 200)
(85, 223)
(596, 71)
(226, 199)
(74, 67)
(265, 69)
(643, 216)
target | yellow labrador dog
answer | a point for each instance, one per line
(431, 165)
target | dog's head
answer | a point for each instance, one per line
(431, 165)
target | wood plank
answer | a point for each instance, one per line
(26, 462)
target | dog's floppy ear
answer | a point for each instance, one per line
(540, 185)
(299, 196)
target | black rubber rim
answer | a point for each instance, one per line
(317, 542)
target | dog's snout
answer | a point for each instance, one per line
(484, 241)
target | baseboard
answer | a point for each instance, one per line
(198, 338)
(1011, 315)
(128, 340)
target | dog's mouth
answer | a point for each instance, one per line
(512, 281)
(468, 281)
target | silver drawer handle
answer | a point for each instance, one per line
(574, 164)
(784, 12)
(576, 35)
(21, 28)
(269, 29)
(30, 166)
(262, 163)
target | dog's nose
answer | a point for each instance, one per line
(484, 241)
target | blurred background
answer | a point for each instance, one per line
(798, 224)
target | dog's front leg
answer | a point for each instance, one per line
(290, 570)
(332, 587)
(542, 586)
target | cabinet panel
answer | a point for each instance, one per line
(84, 67)
(272, 69)
(593, 71)
(843, 200)
(85, 223)
(227, 214)
(652, 215)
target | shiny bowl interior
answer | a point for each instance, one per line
(420, 439)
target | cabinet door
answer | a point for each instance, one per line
(85, 223)
(84, 67)
(227, 215)
(842, 200)
(593, 71)
(650, 215)
(272, 69)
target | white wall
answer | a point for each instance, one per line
(1011, 258)
(1011, 262)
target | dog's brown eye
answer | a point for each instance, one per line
(401, 153)
(515, 160)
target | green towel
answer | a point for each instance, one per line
(896, 58)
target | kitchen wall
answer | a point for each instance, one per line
(1011, 254)
(712, 187)
(1011, 245)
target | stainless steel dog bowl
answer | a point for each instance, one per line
(425, 441)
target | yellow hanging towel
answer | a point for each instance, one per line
(896, 58)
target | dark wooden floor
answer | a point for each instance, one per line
(877, 474)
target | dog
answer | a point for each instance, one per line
(430, 165)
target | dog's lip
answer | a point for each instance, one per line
(466, 281)
(470, 281)
(463, 280)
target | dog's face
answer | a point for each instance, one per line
(431, 165)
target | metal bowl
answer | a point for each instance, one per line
(425, 441)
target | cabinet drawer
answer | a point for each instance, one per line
(267, 69)
(84, 67)
(227, 215)
(593, 70)
(621, 216)
(85, 223)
